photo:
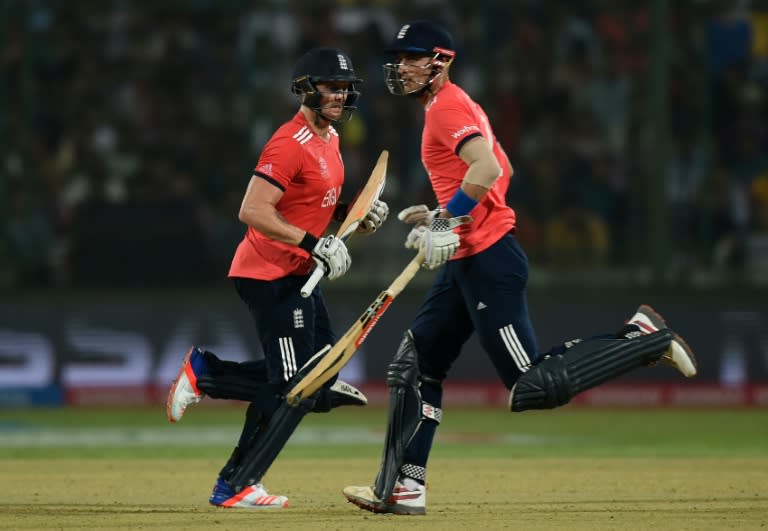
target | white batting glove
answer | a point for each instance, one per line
(413, 240)
(418, 215)
(331, 254)
(438, 240)
(375, 218)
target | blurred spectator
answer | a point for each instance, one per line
(115, 108)
(757, 239)
(30, 239)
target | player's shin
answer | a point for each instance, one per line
(407, 414)
(558, 378)
(268, 443)
(255, 419)
(265, 445)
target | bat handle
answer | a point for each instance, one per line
(310, 284)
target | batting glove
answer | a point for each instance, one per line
(418, 215)
(331, 254)
(438, 240)
(375, 218)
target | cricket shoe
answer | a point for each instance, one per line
(184, 391)
(251, 497)
(344, 394)
(402, 500)
(679, 355)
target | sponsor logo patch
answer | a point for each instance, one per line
(266, 169)
(464, 130)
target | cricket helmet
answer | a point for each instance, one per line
(324, 64)
(420, 37)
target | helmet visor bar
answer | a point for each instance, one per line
(397, 84)
(311, 97)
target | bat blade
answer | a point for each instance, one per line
(370, 193)
(336, 358)
(356, 213)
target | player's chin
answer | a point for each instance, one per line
(334, 113)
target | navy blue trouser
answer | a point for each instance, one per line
(484, 293)
(291, 328)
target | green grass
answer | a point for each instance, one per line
(572, 469)
(571, 432)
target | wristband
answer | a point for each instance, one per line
(460, 204)
(308, 242)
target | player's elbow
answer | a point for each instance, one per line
(484, 173)
(247, 215)
(242, 215)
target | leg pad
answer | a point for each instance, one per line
(557, 379)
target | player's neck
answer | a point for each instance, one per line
(428, 95)
(320, 126)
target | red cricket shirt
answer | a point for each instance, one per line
(310, 172)
(451, 119)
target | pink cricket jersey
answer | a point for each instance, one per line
(310, 172)
(451, 119)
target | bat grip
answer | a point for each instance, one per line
(310, 284)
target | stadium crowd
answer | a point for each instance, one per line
(130, 129)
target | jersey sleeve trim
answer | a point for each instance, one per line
(463, 141)
(269, 179)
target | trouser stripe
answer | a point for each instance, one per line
(289, 357)
(514, 347)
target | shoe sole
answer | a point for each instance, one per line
(689, 367)
(383, 508)
(343, 394)
(282, 505)
(172, 391)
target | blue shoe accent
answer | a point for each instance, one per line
(221, 493)
(197, 362)
(251, 497)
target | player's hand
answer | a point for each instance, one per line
(418, 215)
(375, 218)
(438, 240)
(331, 254)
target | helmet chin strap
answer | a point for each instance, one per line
(319, 115)
(427, 86)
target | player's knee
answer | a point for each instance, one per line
(403, 370)
(545, 386)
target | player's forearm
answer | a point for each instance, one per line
(480, 176)
(268, 221)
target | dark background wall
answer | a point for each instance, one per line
(129, 130)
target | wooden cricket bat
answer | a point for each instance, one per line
(356, 213)
(343, 350)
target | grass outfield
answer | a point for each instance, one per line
(565, 469)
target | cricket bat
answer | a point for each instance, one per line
(338, 356)
(356, 213)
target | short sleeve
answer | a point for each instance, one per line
(280, 161)
(453, 125)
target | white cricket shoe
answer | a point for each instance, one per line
(251, 497)
(402, 500)
(344, 394)
(679, 355)
(184, 391)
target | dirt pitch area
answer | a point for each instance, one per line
(478, 493)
